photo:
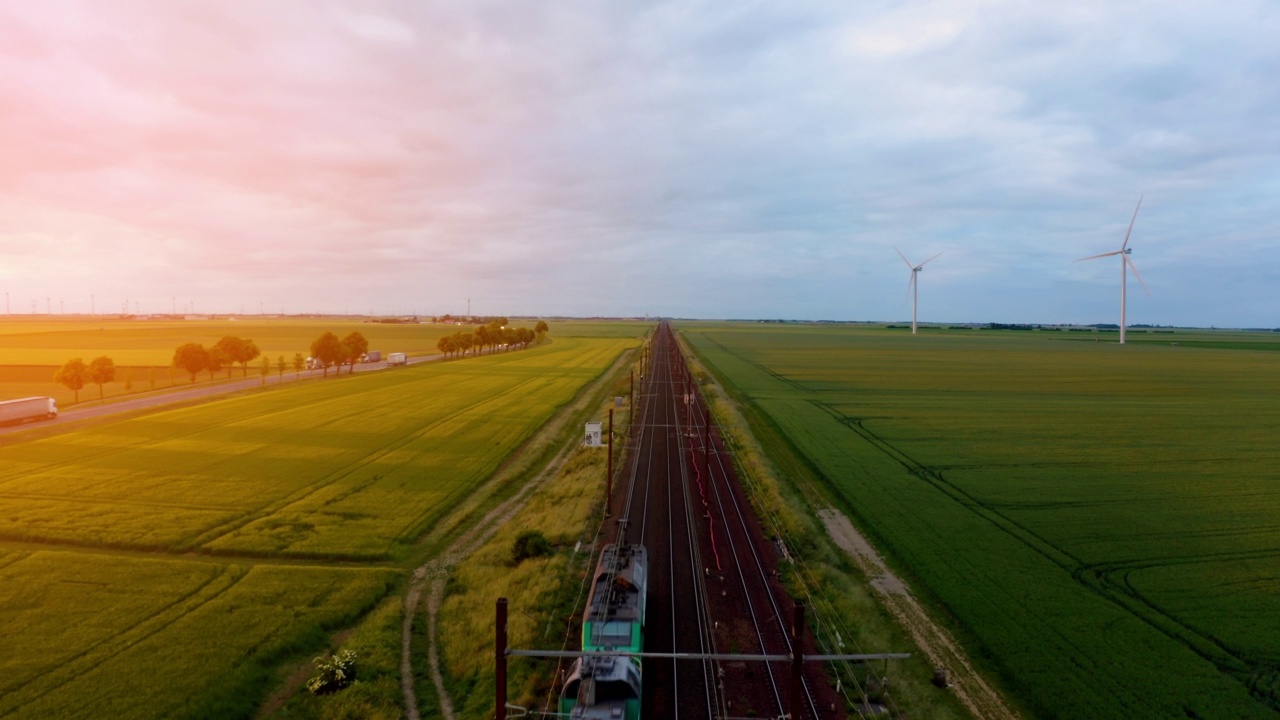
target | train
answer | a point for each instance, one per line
(602, 687)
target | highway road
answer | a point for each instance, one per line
(170, 396)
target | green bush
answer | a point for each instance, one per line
(529, 544)
(336, 672)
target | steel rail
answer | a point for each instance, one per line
(701, 605)
(734, 538)
(761, 575)
(721, 489)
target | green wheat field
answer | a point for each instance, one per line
(1100, 522)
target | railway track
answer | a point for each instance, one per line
(712, 572)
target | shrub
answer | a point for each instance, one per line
(336, 672)
(529, 544)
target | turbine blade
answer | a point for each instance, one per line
(1136, 274)
(1095, 257)
(904, 258)
(910, 281)
(926, 262)
(1135, 217)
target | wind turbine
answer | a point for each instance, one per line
(1124, 253)
(912, 285)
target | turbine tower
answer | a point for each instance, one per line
(1124, 253)
(912, 285)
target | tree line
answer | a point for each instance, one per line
(492, 336)
(226, 353)
(327, 350)
(192, 357)
(74, 374)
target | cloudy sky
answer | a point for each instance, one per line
(682, 158)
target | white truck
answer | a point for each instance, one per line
(24, 409)
(396, 359)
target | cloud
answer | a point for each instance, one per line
(674, 157)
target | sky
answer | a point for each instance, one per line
(662, 158)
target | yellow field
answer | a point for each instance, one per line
(32, 350)
(167, 565)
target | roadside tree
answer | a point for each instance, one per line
(299, 362)
(328, 350)
(102, 370)
(73, 374)
(524, 336)
(231, 347)
(217, 360)
(356, 346)
(192, 357)
(248, 352)
(281, 365)
(541, 330)
(447, 345)
(238, 350)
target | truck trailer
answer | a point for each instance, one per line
(13, 412)
(397, 359)
(373, 356)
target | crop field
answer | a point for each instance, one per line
(151, 342)
(95, 636)
(354, 467)
(163, 565)
(1101, 523)
(31, 350)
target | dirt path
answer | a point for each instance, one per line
(436, 571)
(938, 646)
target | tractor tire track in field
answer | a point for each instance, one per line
(222, 529)
(1116, 582)
(70, 669)
(794, 384)
(267, 510)
(933, 477)
(415, 527)
(25, 472)
(1099, 582)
